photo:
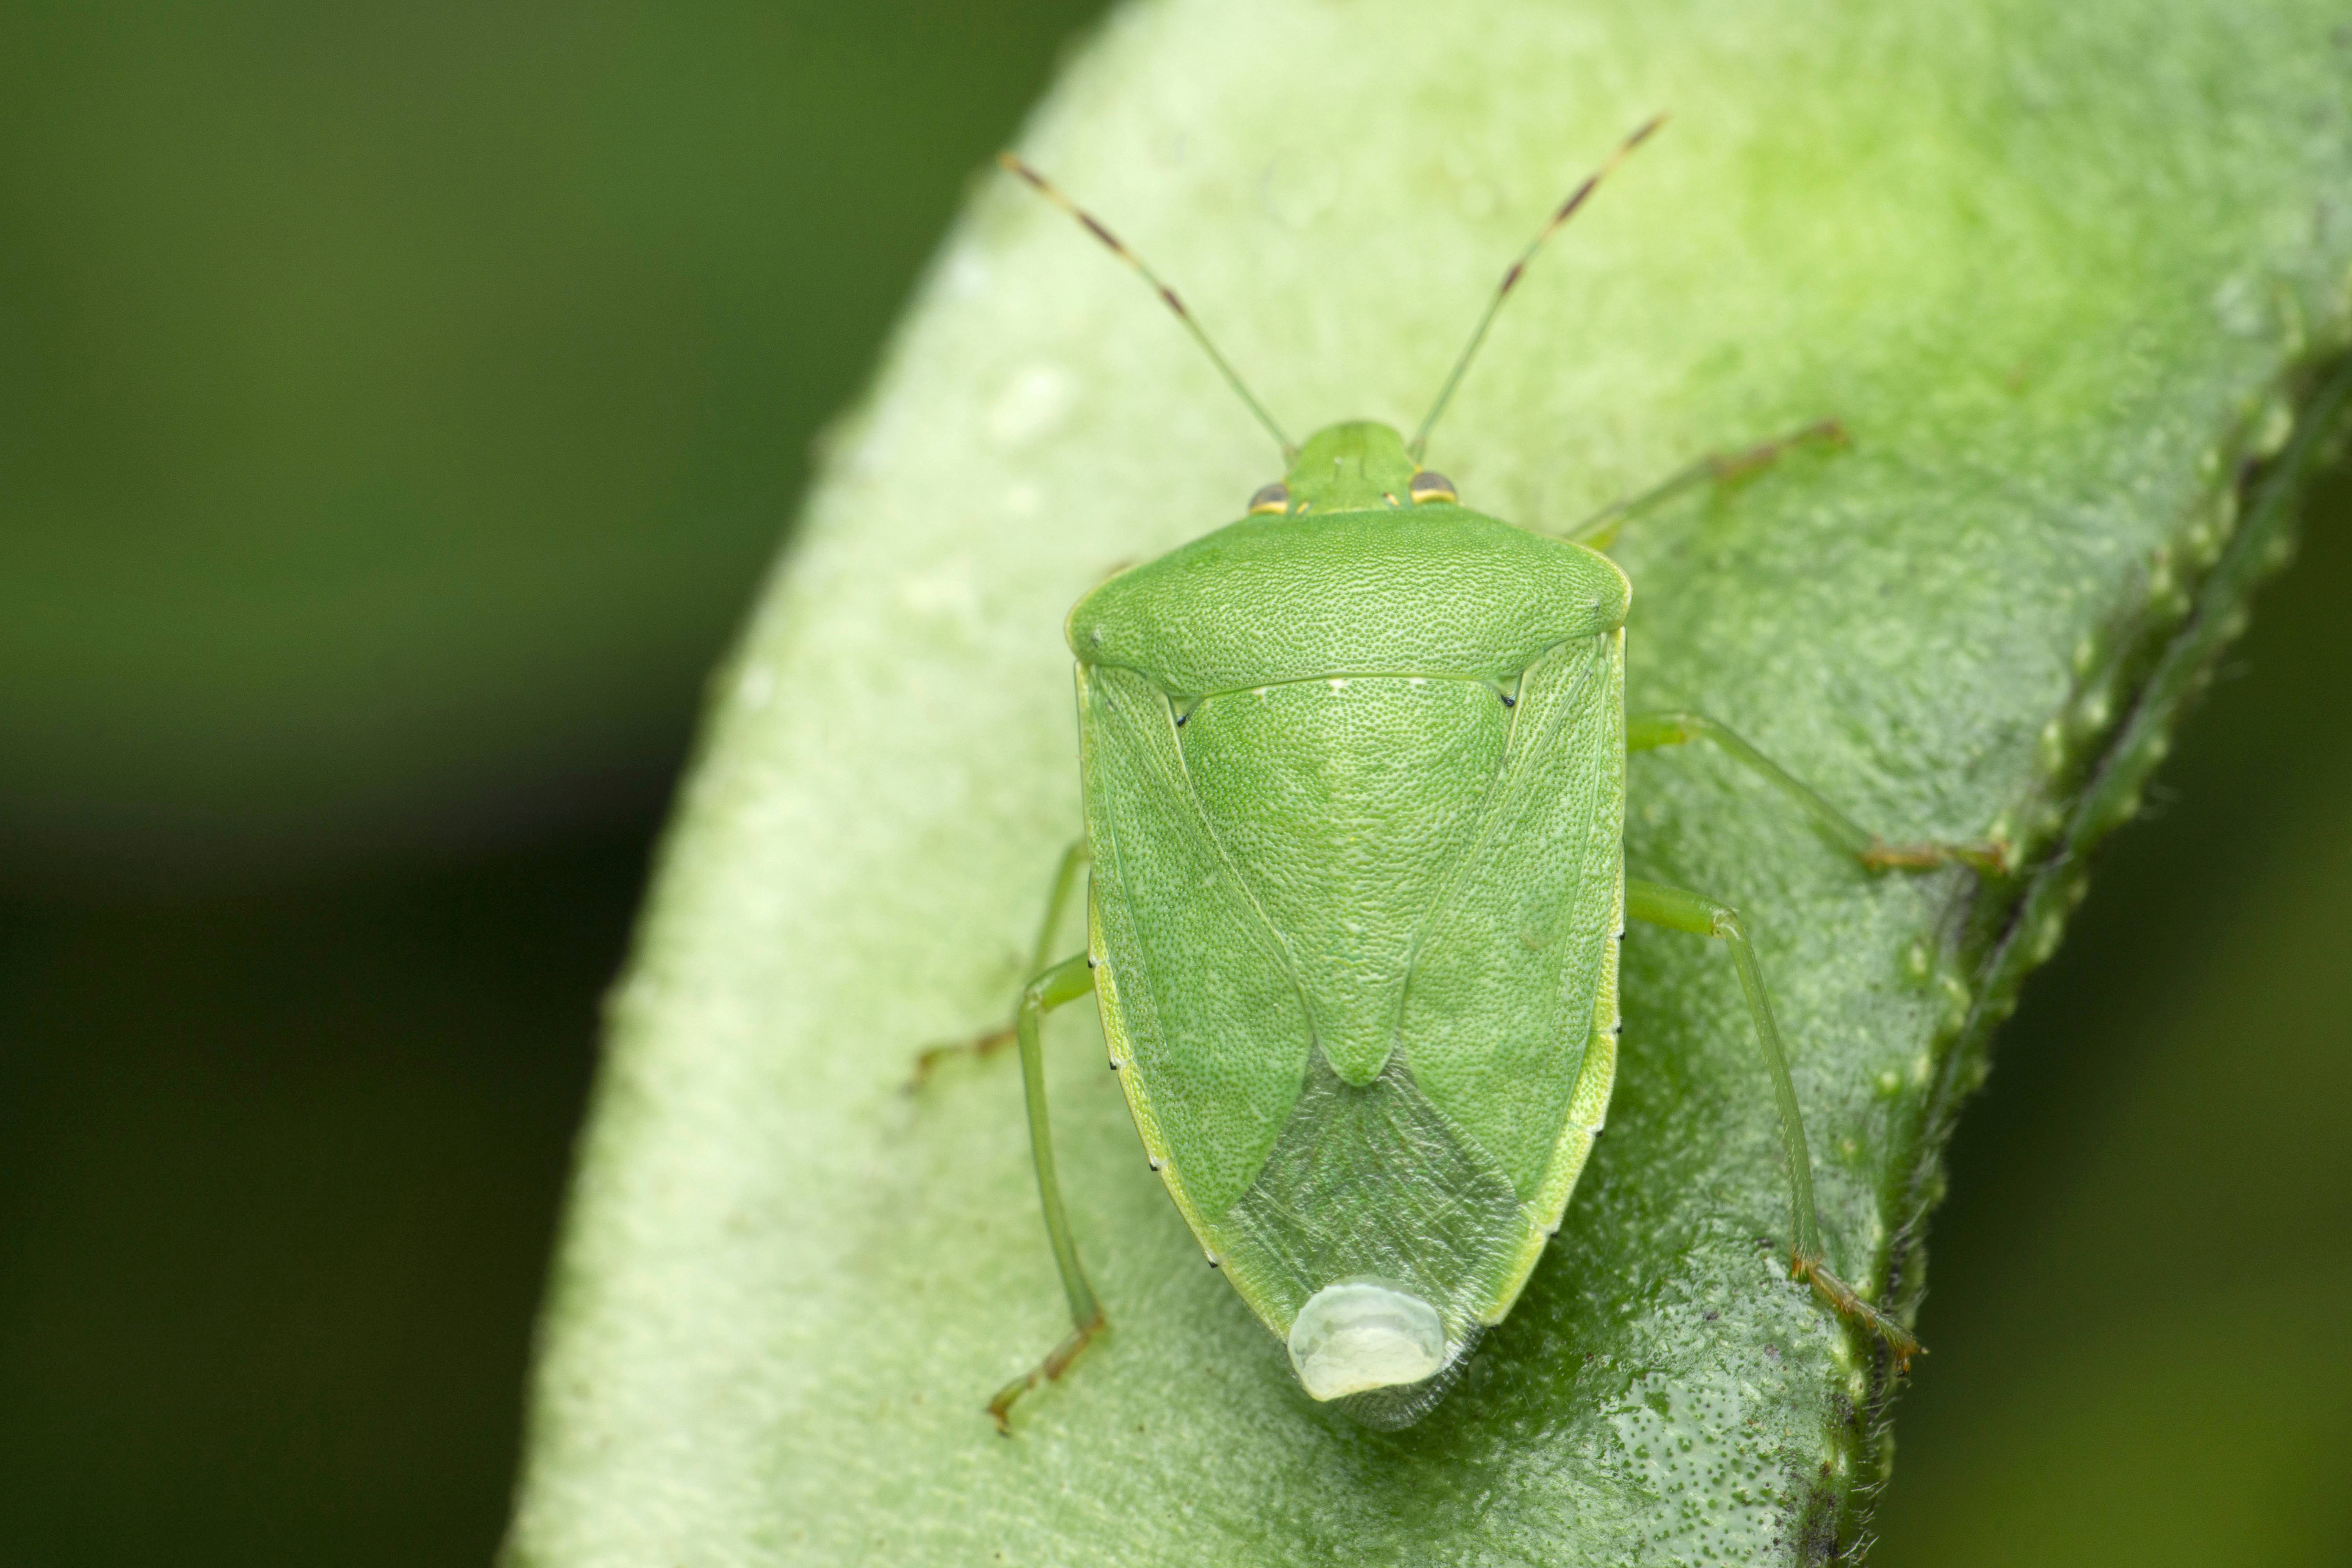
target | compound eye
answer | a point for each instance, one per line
(1271, 499)
(1430, 485)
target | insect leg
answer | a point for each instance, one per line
(1065, 982)
(1657, 904)
(1068, 878)
(1647, 731)
(1600, 530)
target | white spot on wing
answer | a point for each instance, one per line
(1358, 1336)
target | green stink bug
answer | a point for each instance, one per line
(1354, 778)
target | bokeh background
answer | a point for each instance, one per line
(398, 406)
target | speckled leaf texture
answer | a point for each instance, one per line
(2075, 278)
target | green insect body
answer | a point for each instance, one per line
(1354, 782)
(1354, 775)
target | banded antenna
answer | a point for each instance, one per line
(1094, 227)
(1576, 198)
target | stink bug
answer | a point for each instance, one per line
(1354, 774)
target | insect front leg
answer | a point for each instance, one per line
(1600, 531)
(1069, 877)
(1657, 904)
(1065, 982)
(1644, 732)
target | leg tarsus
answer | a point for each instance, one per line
(1000, 1409)
(1843, 1300)
(981, 1046)
(1989, 857)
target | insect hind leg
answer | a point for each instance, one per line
(1065, 982)
(1676, 910)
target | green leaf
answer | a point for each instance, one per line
(2075, 277)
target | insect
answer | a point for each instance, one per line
(1354, 777)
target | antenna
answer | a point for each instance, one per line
(1576, 199)
(1094, 225)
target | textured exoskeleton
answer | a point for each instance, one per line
(1354, 785)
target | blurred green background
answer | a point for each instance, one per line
(397, 407)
